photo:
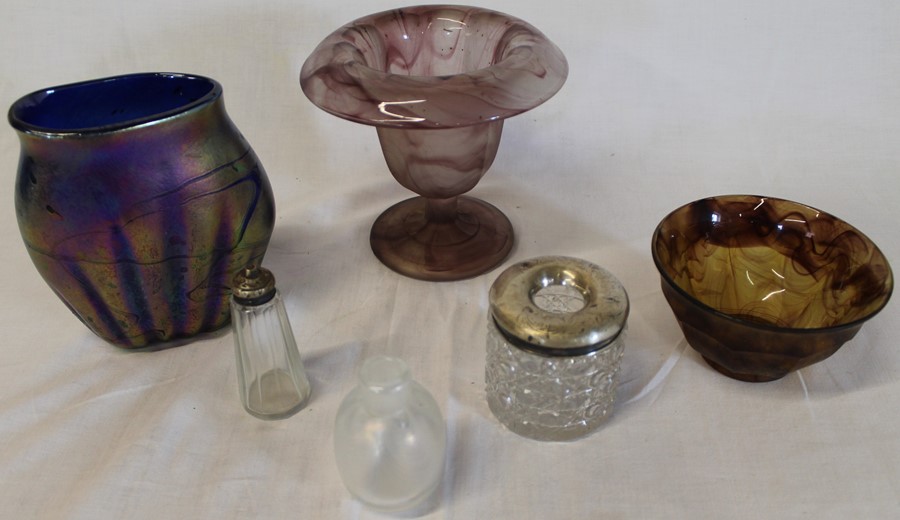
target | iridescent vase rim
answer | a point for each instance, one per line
(17, 122)
(759, 325)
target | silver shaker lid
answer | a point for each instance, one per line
(253, 285)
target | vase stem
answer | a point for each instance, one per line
(442, 210)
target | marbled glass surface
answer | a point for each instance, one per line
(456, 72)
(433, 67)
(762, 286)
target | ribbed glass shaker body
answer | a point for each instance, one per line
(271, 378)
(555, 342)
(389, 438)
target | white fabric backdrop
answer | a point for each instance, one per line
(666, 102)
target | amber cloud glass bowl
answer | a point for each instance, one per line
(763, 286)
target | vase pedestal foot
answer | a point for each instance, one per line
(414, 240)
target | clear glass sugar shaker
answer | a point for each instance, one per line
(554, 347)
(271, 378)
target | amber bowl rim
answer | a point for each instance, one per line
(762, 326)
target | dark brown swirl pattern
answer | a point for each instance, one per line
(764, 286)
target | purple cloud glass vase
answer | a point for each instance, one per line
(437, 83)
(138, 200)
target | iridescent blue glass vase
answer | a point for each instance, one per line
(138, 199)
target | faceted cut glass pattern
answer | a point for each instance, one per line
(547, 398)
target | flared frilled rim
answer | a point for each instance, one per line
(433, 67)
(111, 104)
(669, 227)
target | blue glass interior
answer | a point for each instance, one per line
(111, 102)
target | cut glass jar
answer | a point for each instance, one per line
(554, 347)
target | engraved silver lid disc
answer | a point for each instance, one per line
(559, 306)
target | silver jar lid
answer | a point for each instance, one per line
(253, 285)
(559, 306)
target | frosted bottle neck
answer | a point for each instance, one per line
(386, 382)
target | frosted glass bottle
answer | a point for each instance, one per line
(389, 438)
(271, 378)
